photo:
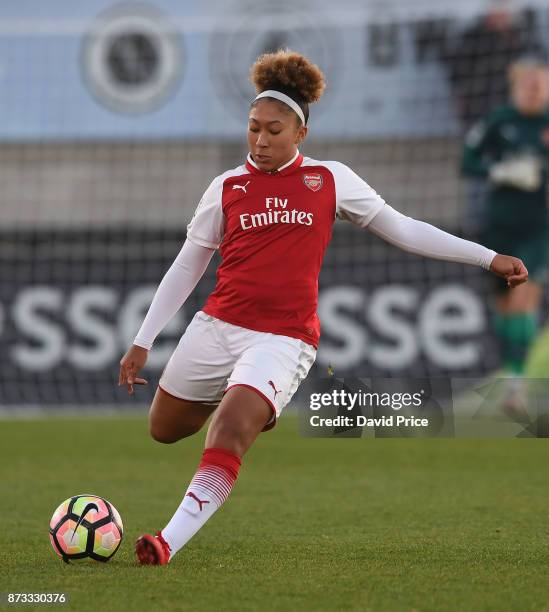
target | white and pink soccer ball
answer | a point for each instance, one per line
(86, 526)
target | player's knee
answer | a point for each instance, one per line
(164, 435)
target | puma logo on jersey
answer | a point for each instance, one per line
(270, 382)
(243, 187)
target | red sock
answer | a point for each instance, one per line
(210, 487)
(217, 473)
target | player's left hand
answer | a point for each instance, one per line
(130, 365)
(510, 268)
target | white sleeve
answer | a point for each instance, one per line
(356, 201)
(423, 239)
(208, 223)
(176, 286)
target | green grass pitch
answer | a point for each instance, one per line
(312, 524)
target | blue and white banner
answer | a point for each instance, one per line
(71, 303)
(165, 69)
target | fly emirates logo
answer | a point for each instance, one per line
(276, 212)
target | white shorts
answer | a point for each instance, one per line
(213, 356)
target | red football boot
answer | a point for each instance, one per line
(152, 550)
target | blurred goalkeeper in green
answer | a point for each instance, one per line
(510, 147)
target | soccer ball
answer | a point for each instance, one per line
(86, 526)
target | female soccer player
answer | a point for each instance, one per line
(245, 353)
(510, 147)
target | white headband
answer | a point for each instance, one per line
(272, 93)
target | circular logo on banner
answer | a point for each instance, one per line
(132, 59)
(263, 28)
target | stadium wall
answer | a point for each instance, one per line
(159, 184)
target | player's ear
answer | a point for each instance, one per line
(301, 134)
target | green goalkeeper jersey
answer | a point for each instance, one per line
(505, 134)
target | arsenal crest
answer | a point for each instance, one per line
(313, 181)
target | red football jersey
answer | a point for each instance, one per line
(272, 229)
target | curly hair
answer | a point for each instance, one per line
(292, 74)
(288, 70)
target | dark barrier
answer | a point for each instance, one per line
(71, 302)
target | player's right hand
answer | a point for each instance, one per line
(130, 365)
